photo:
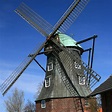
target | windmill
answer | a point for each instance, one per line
(67, 78)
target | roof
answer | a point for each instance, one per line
(67, 40)
(105, 86)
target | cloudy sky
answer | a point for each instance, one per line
(18, 39)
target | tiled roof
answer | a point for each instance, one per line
(105, 86)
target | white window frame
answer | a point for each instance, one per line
(43, 104)
(48, 66)
(47, 79)
(80, 80)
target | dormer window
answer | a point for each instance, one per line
(47, 82)
(82, 80)
(50, 66)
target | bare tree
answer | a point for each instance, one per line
(39, 88)
(15, 102)
(93, 104)
(30, 107)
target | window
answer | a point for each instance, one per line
(43, 104)
(82, 80)
(87, 103)
(50, 66)
(77, 66)
(47, 82)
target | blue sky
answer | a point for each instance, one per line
(18, 39)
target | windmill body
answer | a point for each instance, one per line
(54, 85)
(60, 72)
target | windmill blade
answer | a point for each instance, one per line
(6, 85)
(34, 19)
(87, 71)
(70, 15)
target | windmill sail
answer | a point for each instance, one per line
(34, 19)
(43, 26)
(6, 85)
(70, 15)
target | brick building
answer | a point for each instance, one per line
(105, 90)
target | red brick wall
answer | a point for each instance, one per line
(58, 105)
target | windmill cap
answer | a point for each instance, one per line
(67, 40)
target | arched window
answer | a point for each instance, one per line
(43, 104)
